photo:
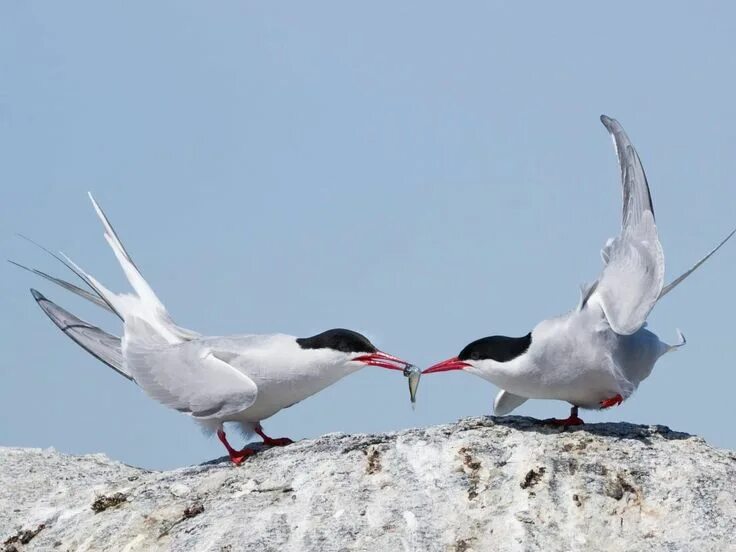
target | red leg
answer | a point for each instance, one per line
(271, 442)
(572, 420)
(613, 401)
(236, 456)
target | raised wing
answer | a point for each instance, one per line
(97, 342)
(637, 199)
(631, 281)
(188, 377)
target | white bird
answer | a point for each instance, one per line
(242, 379)
(596, 355)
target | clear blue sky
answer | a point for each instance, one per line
(423, 172)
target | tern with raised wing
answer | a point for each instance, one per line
(242, 379)
(596, 355)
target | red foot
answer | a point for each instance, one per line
(270, 441)
(236, 456)
(613, 401)
(572, 420)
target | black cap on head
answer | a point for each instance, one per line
(339, 339)
(497, 347)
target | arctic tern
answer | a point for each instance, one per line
(242, 379)
(596, 355)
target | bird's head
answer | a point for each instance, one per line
(352, 349)
(482, 353)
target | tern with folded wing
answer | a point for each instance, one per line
(242, 379)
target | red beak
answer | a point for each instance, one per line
(383, 360)
(453, 363)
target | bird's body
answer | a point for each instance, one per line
(243, 379)
(283, 379)
(577, 358)
(596, 355)
(278, 372)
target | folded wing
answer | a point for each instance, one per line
(189, 377)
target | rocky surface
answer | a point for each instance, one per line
(481, 484)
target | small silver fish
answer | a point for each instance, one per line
(414, 374)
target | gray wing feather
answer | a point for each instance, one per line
(637, 197)
(100, 344)
(633, 276)
(188, 377)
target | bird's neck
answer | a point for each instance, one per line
(502, 374)
(313, 377)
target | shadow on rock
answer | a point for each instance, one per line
(618, 430)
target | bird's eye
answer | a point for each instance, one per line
(475, 356)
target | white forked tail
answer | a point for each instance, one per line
(144, 304)
(665, 348)
(672, 285)
(141, 287)
(681, 341)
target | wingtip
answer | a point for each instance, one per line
(94, 201)
(37, 295)
(608, 122)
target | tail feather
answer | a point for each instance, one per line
(145, 304)
(672, 285)
(681, 342)
(142, 306)
(80, 274)
(132, 273)
(66, 285)
(113, 300)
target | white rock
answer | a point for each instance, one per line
(482, 484)
(179, 490)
